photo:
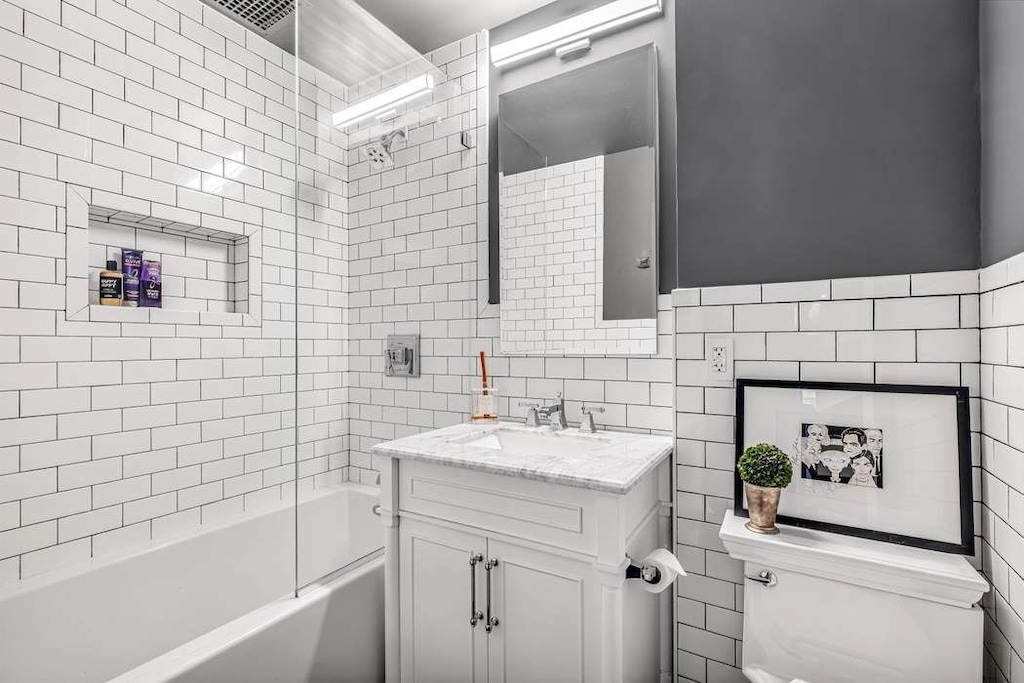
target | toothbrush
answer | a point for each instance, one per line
(483, 372)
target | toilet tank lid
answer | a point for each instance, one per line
(914, 572)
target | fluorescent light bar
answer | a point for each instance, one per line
(588, 24)
(382, 102)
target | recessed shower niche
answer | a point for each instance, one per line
(207, 273)
(201, 269)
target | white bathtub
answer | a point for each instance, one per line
(214, 606)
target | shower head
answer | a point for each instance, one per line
(379, 151)
(379, 156)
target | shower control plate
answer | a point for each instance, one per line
(402, 355)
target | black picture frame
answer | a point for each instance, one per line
(963, 408)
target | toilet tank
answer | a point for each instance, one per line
(838, 609)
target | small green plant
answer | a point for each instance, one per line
(765, 465)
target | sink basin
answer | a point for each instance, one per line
(536, 442)
(607, 461)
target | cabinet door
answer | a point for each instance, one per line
(539, 600)
(438, 643)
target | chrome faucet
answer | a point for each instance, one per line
(555, 413)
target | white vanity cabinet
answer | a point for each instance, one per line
(498, 577)
(536, 593)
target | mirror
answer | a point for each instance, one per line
(578, 182)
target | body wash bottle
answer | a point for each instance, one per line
(150, 288)
(111, 285)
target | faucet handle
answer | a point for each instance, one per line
(587, 423)
(532, 419)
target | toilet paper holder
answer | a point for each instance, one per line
(657, 570)
(646, 572)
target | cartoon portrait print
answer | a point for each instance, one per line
(841, 455)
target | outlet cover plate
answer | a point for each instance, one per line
(720, 359)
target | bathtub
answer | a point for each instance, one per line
(215, 606)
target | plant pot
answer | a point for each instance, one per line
(763, 505)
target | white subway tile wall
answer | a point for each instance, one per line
(552, 273)
(909, 328)
(1002, 447)
(418, 265)
(135, 424)
(114, 432)
(197, 405)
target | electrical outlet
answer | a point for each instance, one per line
(719, 354)
(719, 358)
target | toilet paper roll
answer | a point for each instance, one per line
(668, 569)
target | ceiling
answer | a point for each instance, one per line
(354, 40)
(430, 24)
(338, 37)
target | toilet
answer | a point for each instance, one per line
(820, 607)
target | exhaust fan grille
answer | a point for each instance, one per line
(260, 13)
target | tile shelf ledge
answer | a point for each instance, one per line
(165, 316)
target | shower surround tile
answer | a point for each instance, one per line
(206, 402)
(170, 114)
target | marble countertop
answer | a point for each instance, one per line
(604, 461)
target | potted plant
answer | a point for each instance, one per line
(765, 471)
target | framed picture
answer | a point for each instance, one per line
(889, 462)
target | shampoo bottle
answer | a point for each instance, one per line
(111, 285)
(131, 269)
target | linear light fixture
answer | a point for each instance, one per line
(384, 101)
(589, 24)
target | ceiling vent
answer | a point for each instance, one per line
(261, 14)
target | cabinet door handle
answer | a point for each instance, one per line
(475, 615)
(491, 620)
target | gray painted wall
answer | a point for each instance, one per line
(831, 138)
(661, 32)
(1002, 125)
